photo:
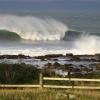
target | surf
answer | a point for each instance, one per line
(36, 29)
(33, 28)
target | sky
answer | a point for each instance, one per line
(82, 5)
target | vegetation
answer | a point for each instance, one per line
(18, 74)
(28, 74)
(49, 94)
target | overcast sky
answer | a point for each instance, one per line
(49, 0)
(50, 5)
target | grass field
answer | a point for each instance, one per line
(48, 94)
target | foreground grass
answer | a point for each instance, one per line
(49, 94)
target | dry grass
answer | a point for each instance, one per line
(49, 94)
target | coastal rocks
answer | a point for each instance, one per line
(20, 56)
(97, 66)
(57, 64)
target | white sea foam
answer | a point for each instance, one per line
(87, 45)
(33, 28)
(44, 51)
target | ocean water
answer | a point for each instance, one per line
(37, 34)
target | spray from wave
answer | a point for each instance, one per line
(33, 28)
(88, 44)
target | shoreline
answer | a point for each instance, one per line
(60, 64)
(48, 55)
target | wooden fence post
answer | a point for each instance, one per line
(41, 80)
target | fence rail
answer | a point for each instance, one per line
(72, 79)
(42, 79)
(19, 86)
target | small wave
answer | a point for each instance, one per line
(72, 35)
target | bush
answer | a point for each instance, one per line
(17, 73)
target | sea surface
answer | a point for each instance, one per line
(41, 33)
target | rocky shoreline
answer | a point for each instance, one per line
(95, 57)
(57, 63)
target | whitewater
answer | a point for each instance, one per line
(33, 28)
(41, 36)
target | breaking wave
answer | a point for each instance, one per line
(6, 35)
(32, 28)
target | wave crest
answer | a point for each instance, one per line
(33, 28)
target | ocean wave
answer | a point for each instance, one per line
(6, 35)
(70, 35)
(33, 28)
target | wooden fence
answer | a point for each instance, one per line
(41, 85)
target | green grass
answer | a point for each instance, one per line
(48, 94)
